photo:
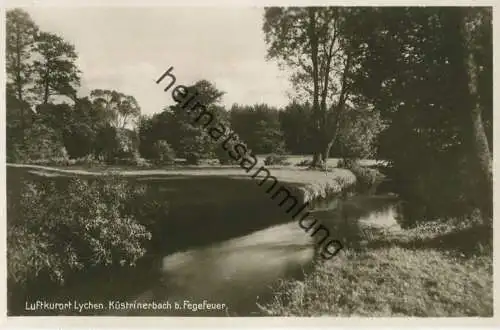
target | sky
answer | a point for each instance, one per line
(128, 49)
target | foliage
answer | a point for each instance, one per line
(310, 42)
(88, 160)
(54, 161)
(367, 179)
(18, 117)
(42, 142)
(57, 227)
(189, 138)
(259, 126)
(413, 59)
(20, 37)
(295, 122)
(41, 68)
(223, 155)
(115, 143)
(21, 33)
(121, 110)
(358, 133)
(164, 154)
(81, 128)
(159, 126)
(195, 145)
(54, 70)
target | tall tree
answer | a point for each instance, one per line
(188, 137)
(308, 40)
(80, 131)
(20, 40)
(474, 23)
(428, 71)
(122, 110)
(55, 70)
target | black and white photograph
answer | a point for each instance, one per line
(249, 161)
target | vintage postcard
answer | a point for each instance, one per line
(256, 160)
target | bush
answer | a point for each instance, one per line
(194, 158)
(58, 227)
(275, 159)
(358, 134)
(41, 142)
(346, 163)
(141, 162)
(55, 161)
(223, 155)
(88, 160)
(367, 179)
(163, 153)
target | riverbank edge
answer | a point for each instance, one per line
(307, 186)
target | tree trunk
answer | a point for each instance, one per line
(46, 86)
(323, 146)
(318, 156)
(481, 152)
(327, 150)
(46, 94)
(483, 163)
(317, 159)
(316, 111)
(19, 86)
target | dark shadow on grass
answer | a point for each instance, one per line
(469, 242)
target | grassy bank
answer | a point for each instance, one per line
(308, 184)
(436, 270)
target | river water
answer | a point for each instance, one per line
(221, 248)
(240, 271)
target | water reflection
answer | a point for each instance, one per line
(238, 270)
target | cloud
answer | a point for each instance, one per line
(127, 49)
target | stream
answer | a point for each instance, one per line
(215, 248)
(240, 271)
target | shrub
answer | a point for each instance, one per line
(141, 162)
(88, 160)
(367, 179)
(55, 161)
(192, 158)
(41, 142)
(163, 153)
(57, 227)
(223, 154)
(358, 134)
(195, 158)
(275, 159)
